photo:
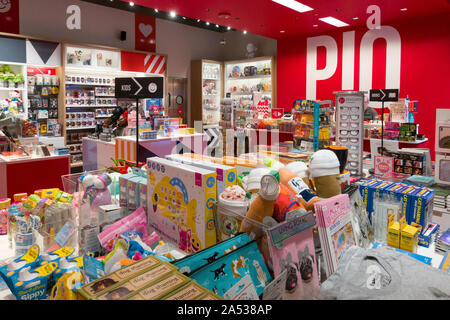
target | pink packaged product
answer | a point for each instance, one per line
(137, 222)
(298, 258)
(335, 229)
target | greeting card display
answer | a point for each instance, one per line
(383, 165)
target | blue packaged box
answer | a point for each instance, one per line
(421, 206)
(428, 234)
(368, 191)
(398, 191)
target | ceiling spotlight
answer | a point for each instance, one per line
(403, 9)
(355, 18)
(184, 18)
(207, 23)
(156, 10)
(229, 28)
(198, 20)
(217, 25)
(245, 32)
(173, 14)
(315, 26)
(282, 31)
(131, 3)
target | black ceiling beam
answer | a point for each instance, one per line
(123, 5)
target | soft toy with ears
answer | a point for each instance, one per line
(324, 169)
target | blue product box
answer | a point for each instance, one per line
(61, 151)
(427, 234)
(368, 191)
(421, 208)
(397, 191)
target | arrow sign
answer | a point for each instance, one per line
(139, 88)
(383, 95)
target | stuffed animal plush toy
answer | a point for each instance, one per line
(324, 169)
(263, 206)
(299, 185)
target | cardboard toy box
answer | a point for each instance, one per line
(421, 206)
(100, 286)
(160, 288)
(226, 175)
(180, 203)
(133, 285)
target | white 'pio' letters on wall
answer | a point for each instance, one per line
(393, 57)
(73, 21)
(312, 73)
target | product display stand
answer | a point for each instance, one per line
(350, 127)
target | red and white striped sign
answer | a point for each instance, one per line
(141, 62)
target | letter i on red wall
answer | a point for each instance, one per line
(9, 16)
(145, 33)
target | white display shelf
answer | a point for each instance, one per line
(10, 89)
(90, 84)
(250, 77)
(217, 79)
(91, 106)
(80, 128)
(405, 142)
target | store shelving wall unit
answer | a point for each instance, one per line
(89, 92)
(6, 89)
(249, 81)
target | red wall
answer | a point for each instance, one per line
(424, 74)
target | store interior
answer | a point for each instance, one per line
(224, 150)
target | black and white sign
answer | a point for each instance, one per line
(381, 95)
(140, 88)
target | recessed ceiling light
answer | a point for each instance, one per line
(333, 21)
(198, 20)
(315, 25)
(229, 28)
(156, 10)
(131, 4)
(294, 5)
(217, 25)
(403, 9)
(184, 18)
(282, 31)
(173, 14)
(245, 32)
(355, 18)
(207, 23)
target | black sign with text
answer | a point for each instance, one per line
(381, 95)
(139, 88)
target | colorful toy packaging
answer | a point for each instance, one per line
(226, 175)
(181, 202)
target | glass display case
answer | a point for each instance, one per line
(206, 91)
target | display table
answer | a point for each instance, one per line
(370, 143)
(18, 175)
(97, 154)
(125, 147)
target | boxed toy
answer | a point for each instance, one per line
(143, 201)
(133, 285)
(409, 236)
(428, 235)
(226, 175)
(161, 288)
(393, 235)
(421, 205)
(115, 279)
(123, 191)
(133, 191)
(181, 200)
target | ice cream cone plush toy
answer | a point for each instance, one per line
(324, 169)
(297, 182)
(263, 205)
